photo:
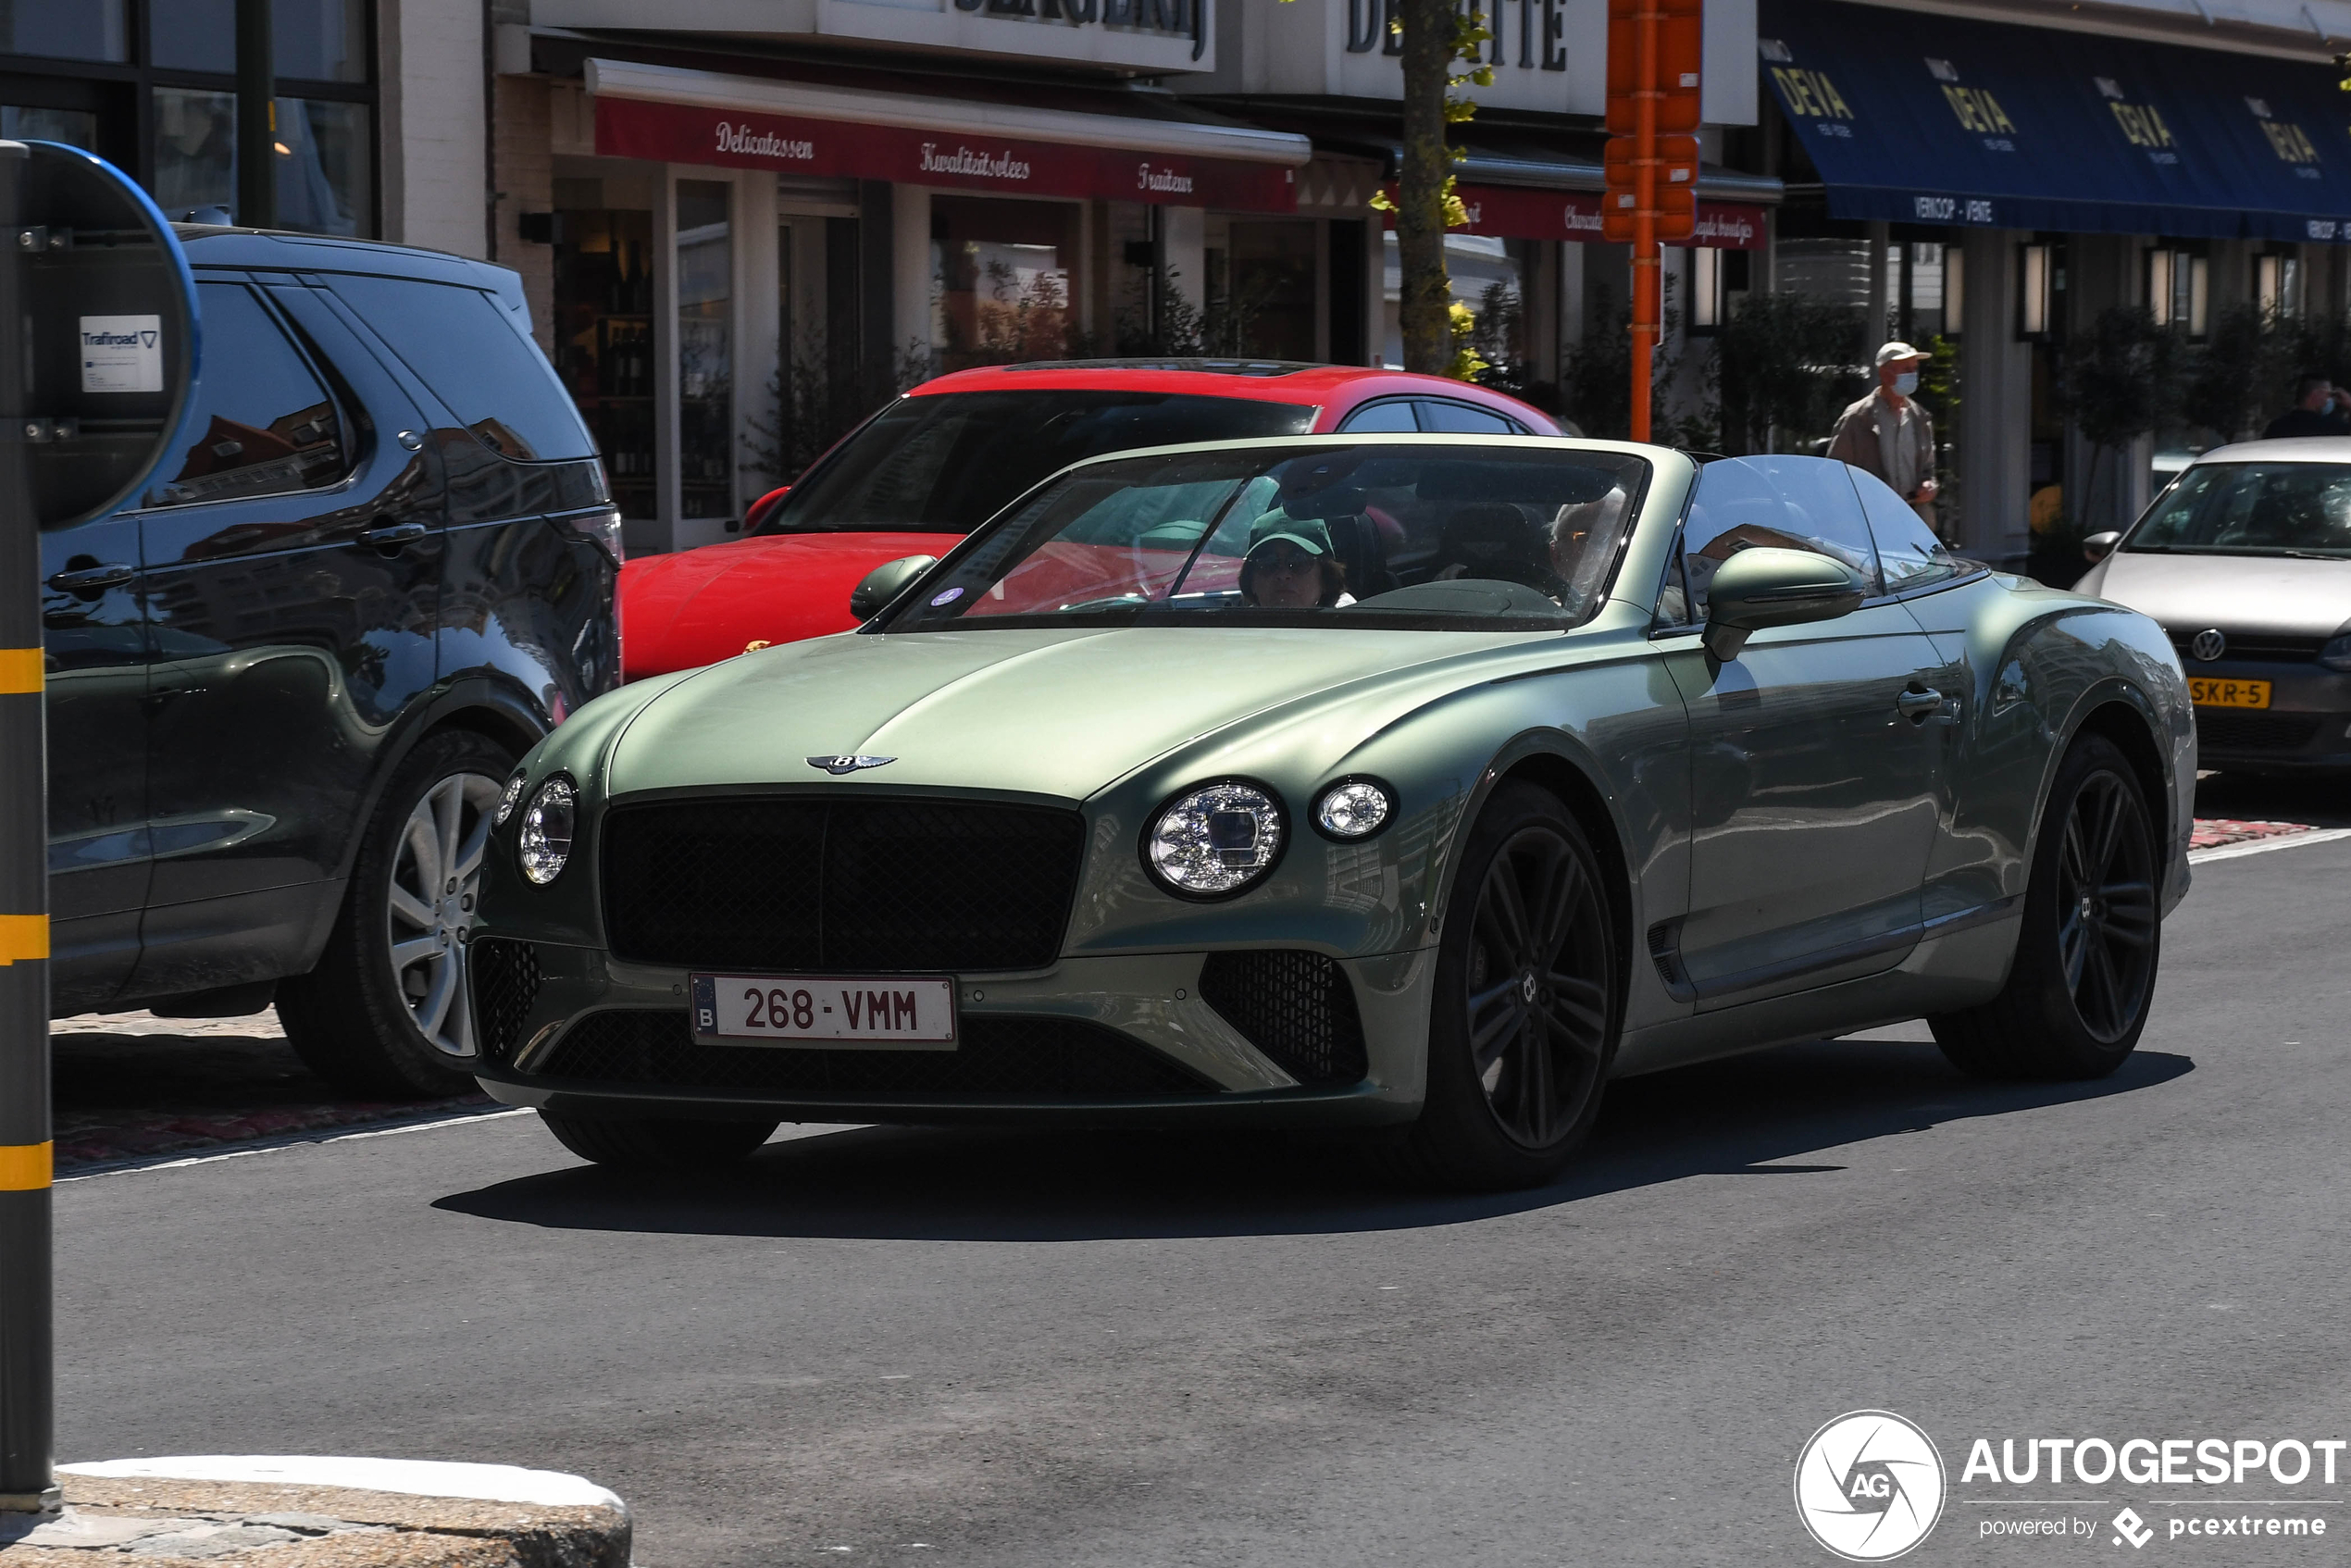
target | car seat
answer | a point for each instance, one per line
(1493, 539)
(1355, 542)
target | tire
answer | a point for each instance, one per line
(644, 1143)
(2086, 956)
(1524, 1023)
(386, 1014)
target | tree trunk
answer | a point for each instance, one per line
(1423, 310)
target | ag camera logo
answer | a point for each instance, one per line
(1869, 1485)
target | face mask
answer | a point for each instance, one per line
(1907, 382)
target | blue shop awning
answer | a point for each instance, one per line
(1914, 117)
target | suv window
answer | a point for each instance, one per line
(1907, 548)
(476, 360)
(262, 424)
(1784, 503)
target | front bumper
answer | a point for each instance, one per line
(1122, 1039)
(2306, 728)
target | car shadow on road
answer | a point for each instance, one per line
(1754, 1116)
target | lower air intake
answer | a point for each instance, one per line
(504, 975)
(997, 1057)
(1296, 1007)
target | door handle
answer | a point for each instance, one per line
(82, 580)
(1918, 703)
(394, 535)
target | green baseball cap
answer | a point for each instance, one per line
(1308, 533)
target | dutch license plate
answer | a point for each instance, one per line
(2208, 693)
(894, 1012)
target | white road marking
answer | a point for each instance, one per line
(2262, 846)
(280, 1146)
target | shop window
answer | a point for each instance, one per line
(1927, 301)
(324, 157)
(1487, 276)
(1001, 280)
(75, 128)
(605, 341)
(705, 356)
(1269, 283)
(86, 30)
(313, 40)
(2180, 289)
(2277, 285)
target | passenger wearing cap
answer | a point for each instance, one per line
(1889, 435)
(1291, 566)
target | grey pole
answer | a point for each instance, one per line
(257, 117)
(27, 1410)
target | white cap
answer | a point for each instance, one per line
(1887, 354)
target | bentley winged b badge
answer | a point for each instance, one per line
(837, 765)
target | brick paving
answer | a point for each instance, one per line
(132, 1087)
(2211, 832)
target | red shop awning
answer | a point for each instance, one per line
(674, 115)
(1515, 211)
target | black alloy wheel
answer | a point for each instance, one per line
(2106, 906)
(1523, 1026)
(2090, 942)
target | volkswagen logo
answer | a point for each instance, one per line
(2208, 645)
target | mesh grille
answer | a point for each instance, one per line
(2272, 648)
(1030, 1058)
(505, 978)
(1296, 1007)
(2224, 731)
(840, 885)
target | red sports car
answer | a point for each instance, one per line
(944, 458)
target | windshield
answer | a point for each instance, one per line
(948, 462)
(2253, 509)
(1453, 537)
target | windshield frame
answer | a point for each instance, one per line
(2130, 541)
(888, 621)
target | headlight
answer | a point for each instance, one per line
(1215, 840)
(545, 843)
(2336, 654)
(513, 797)
(1354, 808)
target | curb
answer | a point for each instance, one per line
(220, 1512)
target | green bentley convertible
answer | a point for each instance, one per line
(1415, 785)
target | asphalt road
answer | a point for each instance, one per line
(917, 1347)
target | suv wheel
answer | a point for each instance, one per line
(386, 1012)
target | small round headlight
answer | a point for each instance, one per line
(1354, 808)
(513, 797)
(1215, 840)
(544, 844)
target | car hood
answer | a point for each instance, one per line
(698, 607)
(1049, 713)
(2187, 594)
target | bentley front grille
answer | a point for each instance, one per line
(812, 883)
(996, 1057)
(1296, 1007)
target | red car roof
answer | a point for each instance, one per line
(1260, 381)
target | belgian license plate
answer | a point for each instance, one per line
(891, 1013)
(2208, 693)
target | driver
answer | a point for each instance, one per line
(1291, 566)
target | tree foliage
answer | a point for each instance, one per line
(1787, 364)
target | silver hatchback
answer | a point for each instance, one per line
(2246, 561)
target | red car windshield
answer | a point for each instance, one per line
(948, 462)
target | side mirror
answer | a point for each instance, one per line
(886, 582)
(2098, 546)
(1760, 587)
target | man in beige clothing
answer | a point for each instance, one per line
(1889, 435)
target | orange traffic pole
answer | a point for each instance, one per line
(1647, 296)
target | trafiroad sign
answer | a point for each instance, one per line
(98, 358)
